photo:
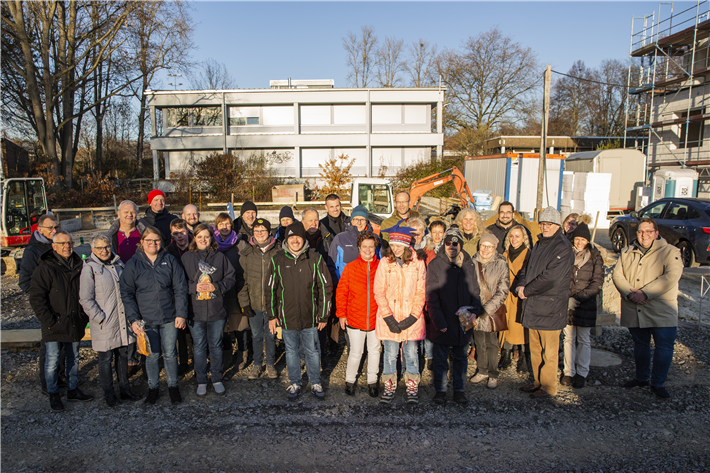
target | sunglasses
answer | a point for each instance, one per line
(452, 243)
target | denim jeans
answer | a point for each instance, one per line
(43, 363)
(119, 356)
(427, 349)
(664, 339)
(262, 338)
(578, 350)
(51, 366)
(162, 338)
(306, 339)
(391, 351)
(441, 366)
(206, 334)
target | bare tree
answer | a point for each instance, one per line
(606, 99)
(420, 63)
(361, 56)
(390, 63)
(211, 75)
(568, 101)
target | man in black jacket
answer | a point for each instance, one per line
(503, 223)
(335, 221)
(158, 216)
(544, 288)
(244, 224)
(450, 285)
(298, 298)
(54, 297)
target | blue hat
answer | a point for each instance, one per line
(359, 211)
(400, 235)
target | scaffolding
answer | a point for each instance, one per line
(668, 87)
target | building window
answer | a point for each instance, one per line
(194, 116)
(694, 130)
(241, 116)
(178, 116)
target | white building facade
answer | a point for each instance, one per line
(305, 121)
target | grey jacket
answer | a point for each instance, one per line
(100, 296)
(254, 264)
(497, 279)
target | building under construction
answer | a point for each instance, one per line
(669, 85)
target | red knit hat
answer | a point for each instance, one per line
(153, 194)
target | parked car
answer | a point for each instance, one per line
(684, 223)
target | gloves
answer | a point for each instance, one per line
(392, 324)
(248, 311)
(408, 322)
(572, 304)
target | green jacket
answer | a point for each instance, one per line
(392, 220)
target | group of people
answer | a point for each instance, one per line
(494, 294)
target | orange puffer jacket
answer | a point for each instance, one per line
(355, 296)
(400, 291)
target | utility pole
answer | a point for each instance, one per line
(543, 140)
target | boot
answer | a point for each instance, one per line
(55, 402)
(505, 359)
(111, 399)
(243, 359)
(412, 383)
(389, 382)
(523, 361)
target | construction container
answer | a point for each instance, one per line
(675, 182)
(513, 176)
(482, 200)
(627, 169)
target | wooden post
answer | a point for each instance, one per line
(596, 221)
(114, 203)
(232, 200)
(189, 192)
(543, 139)
(252, 194)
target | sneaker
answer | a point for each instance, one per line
(440, 398)
(578, 381)
(635, 383)
(460, 398)
(271, 372)
(412, 392)
(350, 389)
(294, 391)
(566, 381)
(255, 372)
(175, 396)
(153, 395)
(388, 393)
(77, 395)
(492, 383)
(317, 390)
(218, 388)
(373, 389)
(201, 390)
(55, 402)
(479, 378)
(660, 392)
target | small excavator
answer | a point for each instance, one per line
(426, 184)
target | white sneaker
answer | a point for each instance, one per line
(479, 378)
(201, 390)
(492, 383)
(218, 387)
(317, 390)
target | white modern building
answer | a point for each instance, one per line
(308, 121)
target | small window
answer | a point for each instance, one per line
(237, 121)
(252, 120)
(694, 130)
(653, 211)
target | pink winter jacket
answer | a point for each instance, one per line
(400, 291)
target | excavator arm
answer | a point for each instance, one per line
(453, 174)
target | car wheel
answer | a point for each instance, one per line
(618, 240)
(687, 255)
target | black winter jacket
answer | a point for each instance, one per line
(335, 225)
(161, 221)
(30, 259)
(546, 281)
(54, 297)
(254, 265)
(299, 289)
(586, 283)
(156, 293)
(448, 288)
(223, 279)
(239, 226)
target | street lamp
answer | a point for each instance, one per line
(175, 83)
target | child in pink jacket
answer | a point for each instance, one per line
(400, 294)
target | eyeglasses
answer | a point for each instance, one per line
(102, 248)
(56, 227)
(487, 247)
(452, 243)
(64, 243)
(547, 224)
(152, 242)
(646, 232)
(260, 231)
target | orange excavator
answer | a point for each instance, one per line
(453, 174)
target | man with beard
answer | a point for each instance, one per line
(191, 217)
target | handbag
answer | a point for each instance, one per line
(498, 319)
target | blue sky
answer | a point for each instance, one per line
(260, 41)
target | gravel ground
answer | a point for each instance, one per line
(601, 427)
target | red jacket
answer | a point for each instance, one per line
(355, 296)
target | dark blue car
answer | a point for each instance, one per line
(684, 223)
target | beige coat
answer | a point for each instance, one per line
(657, 274)
(515, 335)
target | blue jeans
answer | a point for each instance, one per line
(204, 334)
(262, 337)
(51, 365)
(163, 338)
(441, 366)
(306, 339)
(664, 339)
(391, 351)
(427, 349)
